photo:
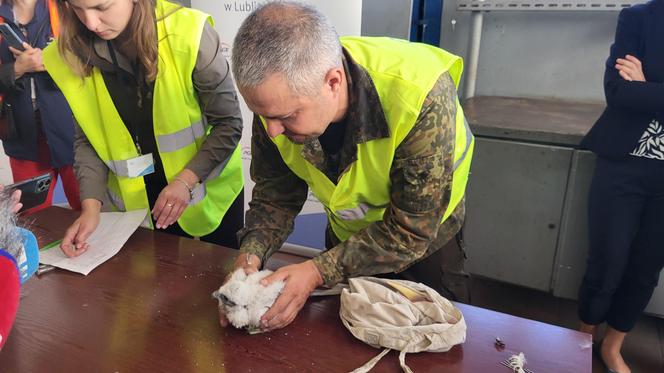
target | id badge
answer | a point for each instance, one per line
(140, 166)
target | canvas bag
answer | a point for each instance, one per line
(400, 315)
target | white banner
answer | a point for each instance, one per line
(346, 15)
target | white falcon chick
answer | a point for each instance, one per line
(245, 300)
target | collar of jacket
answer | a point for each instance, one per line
(102, 57)
(365, 116)
(365, 119)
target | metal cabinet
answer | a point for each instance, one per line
(573, 243)
(514, 207)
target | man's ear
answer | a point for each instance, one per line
(334, 78)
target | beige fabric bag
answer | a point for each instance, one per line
(400, 315)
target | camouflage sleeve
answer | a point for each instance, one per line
(277, 198)
(421, 178)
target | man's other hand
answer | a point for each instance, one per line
(301, 279)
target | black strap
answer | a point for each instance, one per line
(119, 73)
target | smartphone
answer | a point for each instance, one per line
(33, 191)
(11, 36)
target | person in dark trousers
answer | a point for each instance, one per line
(626, 201)
(44, 137)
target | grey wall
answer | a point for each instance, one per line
(380, 17)
(536, 54)
(524, 54)
(386, 18)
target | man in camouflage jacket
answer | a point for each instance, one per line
(408, 242)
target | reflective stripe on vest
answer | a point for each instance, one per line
(119, 204)
(356, 213)
(183, 138)
(166, 143)
(178, 123)
(361, 210)
(469, 142)
(362, 192)
(116, 200)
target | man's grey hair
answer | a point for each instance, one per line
(289, 38)
(10, 237)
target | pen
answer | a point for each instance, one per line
(44, 268)
(50, 245)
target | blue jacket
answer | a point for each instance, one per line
(58, 122)
(630, 106)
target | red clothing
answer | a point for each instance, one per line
(10, 287)
(24, 169)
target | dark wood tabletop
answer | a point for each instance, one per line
(149, 309)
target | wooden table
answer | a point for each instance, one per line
(149, 309)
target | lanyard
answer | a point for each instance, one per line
(116, 67)
(24, 30)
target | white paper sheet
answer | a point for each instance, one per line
(113, 231)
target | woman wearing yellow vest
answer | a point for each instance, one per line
(158, 117)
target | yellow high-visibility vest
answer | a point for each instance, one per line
(179, 125)
(403, 74)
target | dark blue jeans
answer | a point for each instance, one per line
(626, 226)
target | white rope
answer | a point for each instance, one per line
(402, 361)
(371, 363)
(517, 362)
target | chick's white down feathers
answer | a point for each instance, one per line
(245, 300)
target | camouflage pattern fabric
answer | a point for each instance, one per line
(421, 178)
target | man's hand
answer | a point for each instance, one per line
(27, 61)
(301, 279)
(250, 263)
(74, 243)
(630, 69)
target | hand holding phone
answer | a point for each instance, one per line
(11, 37)
(28, 61)
(15, 197)
(33, 191)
